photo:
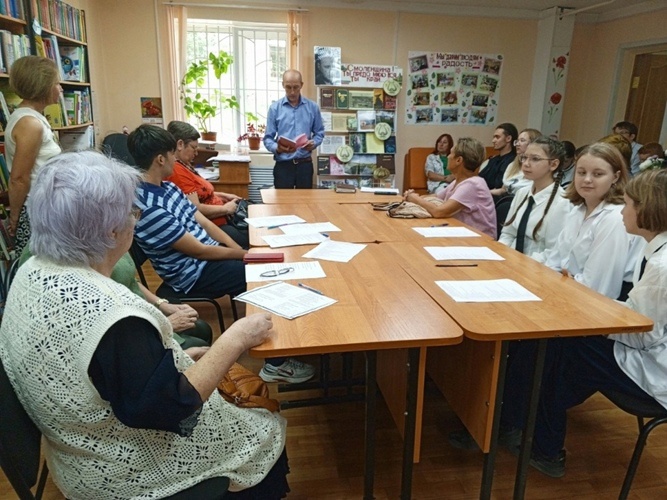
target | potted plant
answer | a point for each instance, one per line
(200, 107)
(254, 132)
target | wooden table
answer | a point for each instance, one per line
(373, 313)
(357, 223)
(274, 196)
(472, 375)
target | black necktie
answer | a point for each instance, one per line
(644, 261)
(521, 233)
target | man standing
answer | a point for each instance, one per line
(290, 117)
(503, 142)
(629, 132)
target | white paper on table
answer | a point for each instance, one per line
(285, 300)
(446, 232)
(301, 270)
(288, 240)
(230, 157)
(503, 290)
(374, 190)
(208, 173)
(463, 253)
(336, 251)
(310, 228)
(274, 220)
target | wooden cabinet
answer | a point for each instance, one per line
(234, 177)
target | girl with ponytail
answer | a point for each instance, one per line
(542, 199)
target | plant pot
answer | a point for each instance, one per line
(209, 136)
(254, 142)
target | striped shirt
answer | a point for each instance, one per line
(166, 216)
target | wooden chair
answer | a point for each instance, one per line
(413, 169)
(139, 257)
(641, 409)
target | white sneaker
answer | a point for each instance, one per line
(291, 372)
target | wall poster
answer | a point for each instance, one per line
(452, 88)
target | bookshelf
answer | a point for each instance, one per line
(364, 119)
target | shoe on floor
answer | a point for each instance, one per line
(552, 467)
(462, 440)
(291, 372)
(510, 438)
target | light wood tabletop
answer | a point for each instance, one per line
(275, 196)
(357, 223)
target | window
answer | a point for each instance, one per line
(255, 77)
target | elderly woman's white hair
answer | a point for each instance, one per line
(77, 201)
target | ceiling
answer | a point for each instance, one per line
(592, 10)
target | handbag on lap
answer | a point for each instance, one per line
(243, 388)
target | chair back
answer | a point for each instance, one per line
(19, 440)
(115, 145)
(139, 257)
(502, 210)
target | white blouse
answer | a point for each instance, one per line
(547, 236)
(593, 249)
(643, 356)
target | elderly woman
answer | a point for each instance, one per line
(97, 369)
(29, 140)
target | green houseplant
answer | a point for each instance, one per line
(195, 104)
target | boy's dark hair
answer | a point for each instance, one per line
(183, 131)
(148, 141)
(510, 130)
(629, 126)
(570, 150)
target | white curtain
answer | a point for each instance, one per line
(172, 28)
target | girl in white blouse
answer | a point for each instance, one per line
(541, 167)
(513, 178)
(593, 245)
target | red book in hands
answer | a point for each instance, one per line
(264, 257)
(296, 143)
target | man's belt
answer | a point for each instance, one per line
(297, 160)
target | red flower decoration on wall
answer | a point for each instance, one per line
(556, 98)
(561, 62)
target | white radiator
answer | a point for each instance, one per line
(260, 177)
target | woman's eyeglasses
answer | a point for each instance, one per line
(276, 272)
(532, 159)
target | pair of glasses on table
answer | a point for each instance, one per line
(276, 272)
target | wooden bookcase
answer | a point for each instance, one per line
(350, 115)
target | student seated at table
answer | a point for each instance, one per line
(467, 198)
(437, 173)
(593, 246)
(213, 205)
(634, 364)
(513, 179)
(187, 250)
(539, 210)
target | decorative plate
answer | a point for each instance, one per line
(382, 131)
(344, 153)
(391, 87)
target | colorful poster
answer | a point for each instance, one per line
(368, 75)
(151, 110)
(452, 88)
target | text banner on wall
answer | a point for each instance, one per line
(452, 88)
(367, 75)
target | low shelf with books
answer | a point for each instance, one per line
(360, 141)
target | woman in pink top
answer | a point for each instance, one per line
(467, 198)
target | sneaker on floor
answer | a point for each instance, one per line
(510, 438)
(552, 467)
(291, 372)
(462, 440)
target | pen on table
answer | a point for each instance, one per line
(310, 288)
(456, 265)
(281, 225)
(441, 225)
(326, 235)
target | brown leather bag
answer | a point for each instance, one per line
(243, 388)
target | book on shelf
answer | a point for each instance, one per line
(73, 63)
(78, 139)
(296, 143)
(61, 18)
(386, 161)
(323, 165)
(339, 121)
(4, 173)
(358, 142)
(345, 188)
(378, 99)
(342, 99)
(389, 101)
(327, 99)
(55, 115)
(390, 145)
(373, 144)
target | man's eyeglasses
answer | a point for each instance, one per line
(276, 272)
(532, 159)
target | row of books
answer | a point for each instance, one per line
(12, 8)
(337, 98)
(11, 48)
(4, 174)
(6, 241)
(61, 18)
(70, 59)
(74, 108)
(359, 165)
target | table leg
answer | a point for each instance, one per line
(410, 423)
(369, 432)
(490, 457)
(529, 429)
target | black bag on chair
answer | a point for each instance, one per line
(238, 219)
